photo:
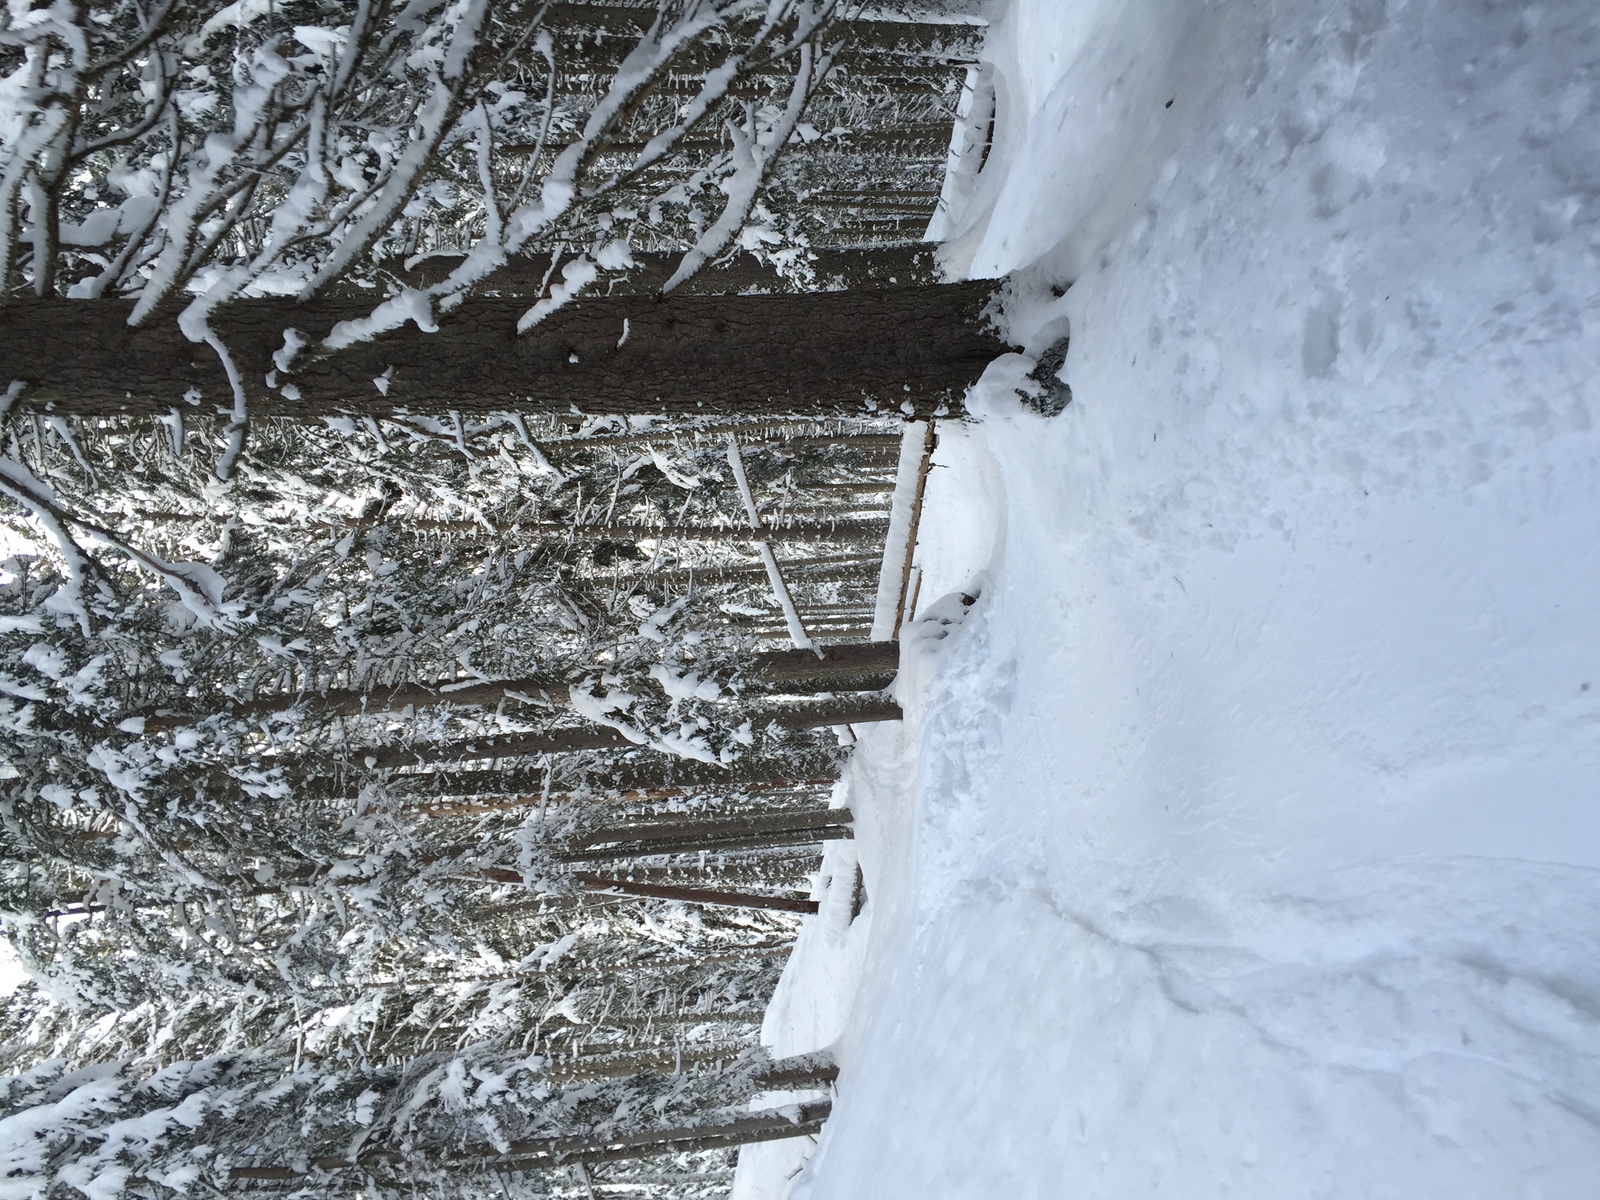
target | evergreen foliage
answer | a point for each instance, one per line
(319, 748)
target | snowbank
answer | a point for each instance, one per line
(1244, 838)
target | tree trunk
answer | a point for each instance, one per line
(379, 699)
(806, 1119)
(714, 829)
(800, 1121)
(777, 840)
(385, 698)
(505, 801)
(645, 777)
(664, 891)
(790, 531)
(507, 745)
(822, 353)
(868, 709)
(549, 533)
(864, 710)
(802, 1071)
(841, 661)
(750, 831)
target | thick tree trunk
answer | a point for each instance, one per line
(805, 1119)
(550, 532)
(841, 661)
(380, 699)
(744, 824)
(509, 745)
(588, 1068)
(801, 1071)
(506, 801)
(822, 353)
(718, 837)
(777, 840)
(799, 1121)
(644, 777)
(349, 702)
(714, 896)
(327, 779)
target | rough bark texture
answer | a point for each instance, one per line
(844, 659)
(725, 899)
(801, 1071)
(823, 353)
(853, 711)
(470, 805)
(645, 777)
(510, 745)
(744, 823)
(791, 531)
(798, 1121)
(777, 838)
(350, 701)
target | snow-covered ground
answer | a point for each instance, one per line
(1244, 837)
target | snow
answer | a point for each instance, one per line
(780, 590)
(12, 973)
(238, 14)
(575, 276)
(885, 609)
(1243, 838)
(753, 155)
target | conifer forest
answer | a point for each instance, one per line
(460, 465)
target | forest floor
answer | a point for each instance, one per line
(1243, 838)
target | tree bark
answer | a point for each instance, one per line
(724, 827)
(821, 353)
(804, 1119)
(550, 532)
(352, 701)
(790, 531)
(838, 661)
(498, 781)
(663, 891)
(865, 710)
(504, 801)
(508, 745)
(801, 1071)
(807, 1119)
(655, 777)
(713, 841)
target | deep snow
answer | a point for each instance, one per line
(1244, 838)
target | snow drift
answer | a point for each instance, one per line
(1244, 838)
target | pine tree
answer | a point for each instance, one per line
(261, 152)
(221, 856)
(389, 750)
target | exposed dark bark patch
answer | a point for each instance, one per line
(825, 353)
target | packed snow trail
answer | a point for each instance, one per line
(1244, 838)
